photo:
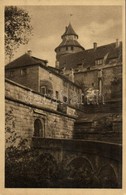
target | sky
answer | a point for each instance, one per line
(101, 24)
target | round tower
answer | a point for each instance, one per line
(69, 43)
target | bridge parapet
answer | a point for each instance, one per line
(105, 149)
(84, 163)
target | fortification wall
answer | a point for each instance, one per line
(24, 106)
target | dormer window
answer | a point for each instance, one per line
(11, 73)
(112, 61)
(99, 62)
(23, 71)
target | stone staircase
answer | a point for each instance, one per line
(101, 122)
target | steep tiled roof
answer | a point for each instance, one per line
(88, 57)
(65, 43)
(69, 31)
(69, 42)
(25, 60)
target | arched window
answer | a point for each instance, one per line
(43, 90)
(38, 128)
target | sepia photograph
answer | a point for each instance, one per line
(63, 96)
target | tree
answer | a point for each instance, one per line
(17, 29)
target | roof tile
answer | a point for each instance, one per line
(25, 60)
(87, 57)
(69, 31)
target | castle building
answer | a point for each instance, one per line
(98, 68)
(59, 96)
(69, 116)
(35, 74)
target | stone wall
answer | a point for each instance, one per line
(110, 73)
(23, 107)
(62, 86)
(36, 74)
(63, 51)
(100, 122)
(87, 78)
(29, 80)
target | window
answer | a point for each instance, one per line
(23, 71)
(50, 93)
(65, 99)
(113, 60)
(57, 95)
(98, 62)
(82, 99)
(93, 85)
(66, 48)
(72, 48)
(38, 128)
(43, 90)
(11, 73)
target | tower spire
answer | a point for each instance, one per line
(69, 42)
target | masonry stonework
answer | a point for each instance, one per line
(110, 73)
(21, 114)
(25, 80)
(64, 123)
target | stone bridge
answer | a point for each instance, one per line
(79, 163)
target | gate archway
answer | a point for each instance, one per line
(38, 128)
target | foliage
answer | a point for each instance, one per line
(24, 166)
(17, 29)
(13, 138)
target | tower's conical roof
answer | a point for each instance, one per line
(69, 31)
(69, 43)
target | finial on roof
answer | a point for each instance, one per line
(29, 52)
(69, 31)
(70, 18)
(117, 43)
(95, 45)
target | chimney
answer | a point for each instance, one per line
(29, 52)
(95, 45)
(46, 62)
(117, 43)
(57, 64)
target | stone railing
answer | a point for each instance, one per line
(25, 95)
(83, 164)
